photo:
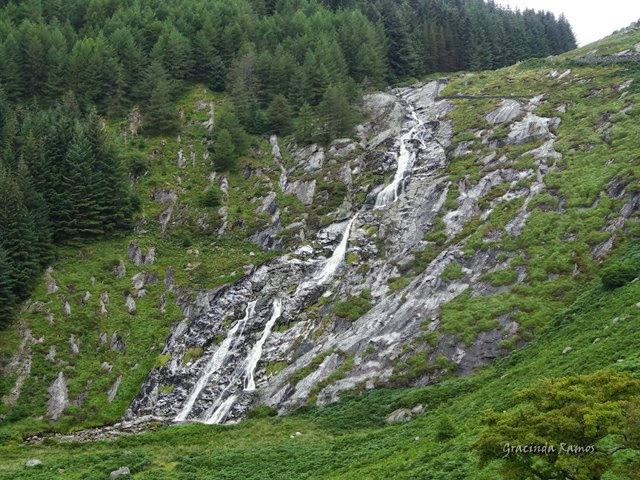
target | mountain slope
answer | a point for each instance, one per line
(514, 187)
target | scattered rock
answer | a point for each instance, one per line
(130, 302)
(120, 271)
(508, 111)
(85, 298)
(73, 345)
(51, 356)
(567, 350)
(121, 472)
(138, 280)
(58, 397)
(400, 415)
(52, 286)
(66, 308)
(114, 389)
(32, 462)
(107, 367)
(117, 343)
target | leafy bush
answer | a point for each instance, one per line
(354, 307)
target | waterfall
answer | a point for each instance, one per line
(220, 413)
(330, 266)
(216, 361)
(406, 159)
(256, 351)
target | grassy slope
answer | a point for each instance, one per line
(349, 440)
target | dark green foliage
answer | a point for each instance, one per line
(622, 271)
(211, 198)
(279, 115)
(224, 151)
(262, 411)
(7, 297)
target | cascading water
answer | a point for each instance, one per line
(406, 159)
(256, 351)
(224, 385)
(216, 361)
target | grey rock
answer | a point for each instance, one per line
(52, 286)
(304, 190)
(73, 345)
(117, 343)
(120, 271)
(121, 472)
(58, 397)
(130, 303)
(530, 129)
(111, 394)
(400, 415)
(33, 462)
(107, 367)
(507, 112)
(51, 356)
(567, 350)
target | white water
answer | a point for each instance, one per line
(406, 158)
(256, 351)
(331, 265)
(220, 413)
(216, 361)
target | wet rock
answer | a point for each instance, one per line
(58, 397)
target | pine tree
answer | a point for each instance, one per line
(335, 113)
(224, 154)
(160, 116)
(306, 125)
(7, 297)
(17, 235)
(279, 115)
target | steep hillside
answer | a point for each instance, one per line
(470, 218)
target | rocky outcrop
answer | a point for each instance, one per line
(283, 309)
(58, 397)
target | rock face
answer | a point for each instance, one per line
(272, 337)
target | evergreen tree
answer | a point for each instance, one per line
(224, 153)
(160, 115)
(336, 116)
(279, 115)
(306, 125)
(7, 297)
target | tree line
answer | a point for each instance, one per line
(278, 59)
(61, 180)
(288, 66)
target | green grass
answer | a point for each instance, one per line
(349, 440)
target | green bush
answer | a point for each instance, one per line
(619, 274)
(262, 411)
(354, 307)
